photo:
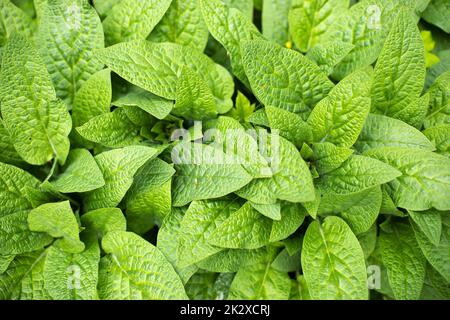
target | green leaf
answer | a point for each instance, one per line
(356, 174)
(183, 23)
(112, 130)
(283, 78)
(359, 210)
(37, 122)
(93, 98)
(275, 20)
(118, 167)
(80, 173)
(383, 131)
(368, 240)
(310, 19)
(148, 200)
(290, 125)
(199, 222)
(329, 54)
(9, 154)
(195, 100)
(102, 221)
(404, 261)
(14, 186)
(13, 20)
(231, 260)
(272, 211)
(437, 255)
(291, 180)
(167, 242)
(292, 217)
(429, 223)
(147, 101)
(440, 138)
(135, 269)
(328, 157)
(58, 220)
(333, 262)
(437, 13)
(400, 72)
(364, 25)
(72, 276)
(230, 27)
(156, 67)
(339, 118)
(16, 237)
(132, 20)
(69, 33)
(199, 176)
(260, 281)
(439, 108)
(424, 182)
(245, 228)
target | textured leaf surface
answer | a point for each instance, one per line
(112, 130)
(69, 33)
(135, 269)
(149, 199)
(283, 78)
(440, 138)
(38, 123)
(333, 261)
(358, 173)
(310, 19)
(425, 179)
(400, 72)
(132, 20)
(383, 131)
(183, 23)
(58, 220)
(291, 180)
(118, 167)
(230, 27)
(80, 174)
(260, 281)
(201, 178)
(404, 261)
(199, 222)
(339, 118)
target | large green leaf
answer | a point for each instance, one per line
(333, 261)
(38, 123)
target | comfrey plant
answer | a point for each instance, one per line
(224, 149)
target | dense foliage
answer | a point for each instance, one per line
(225, 149)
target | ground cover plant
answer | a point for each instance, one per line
(224, 149)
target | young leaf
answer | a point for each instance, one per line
(80, 174)
(58, 220)
(118, 167)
